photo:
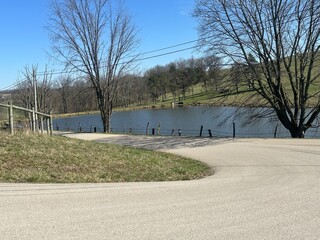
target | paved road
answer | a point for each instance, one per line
(160, 143)
(262, 189)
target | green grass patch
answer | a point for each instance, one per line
(56, 159)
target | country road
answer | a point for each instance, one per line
(261, 189)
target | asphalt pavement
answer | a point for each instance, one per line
(261, 189)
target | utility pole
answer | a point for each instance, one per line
(34, 76)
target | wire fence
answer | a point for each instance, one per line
(233, 131)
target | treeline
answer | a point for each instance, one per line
(178, 78)
(69, 94)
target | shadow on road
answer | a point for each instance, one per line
(161, 142)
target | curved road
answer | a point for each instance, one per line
(262, 189)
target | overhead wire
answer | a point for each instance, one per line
(138, 59)
(58, 72)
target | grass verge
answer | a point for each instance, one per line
(44, 159)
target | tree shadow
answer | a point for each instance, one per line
(161, 142)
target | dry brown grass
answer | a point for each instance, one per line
(44, 159)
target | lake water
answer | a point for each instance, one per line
(186, 121)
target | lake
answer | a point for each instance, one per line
(186, 121)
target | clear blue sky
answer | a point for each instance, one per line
(24, 40)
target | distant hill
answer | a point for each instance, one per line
(5, 96)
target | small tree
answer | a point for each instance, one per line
(154, 84)
(158, 82)
(33, 83)
(213, 67)
(64, 89)
(236, 76)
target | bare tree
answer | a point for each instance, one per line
(74, 95)
(83, 97)
(284, 38)
(236, 75)
(44, 85)
(132, 90)
(213, 67)
(24, 93)
(97, 39)
(34, 90)
(64, 88)
(196, 71)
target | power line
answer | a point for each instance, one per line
(136, 60)
(173, 46)
(57, 72)
(12, 85)
(148, 52)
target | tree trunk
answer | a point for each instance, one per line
(105, 111)
(106, 121)
(106, 125)
(205, 85)
(297, 132)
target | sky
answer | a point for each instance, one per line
(24, 41)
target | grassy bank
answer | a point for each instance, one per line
(198, 98)
(44, 159)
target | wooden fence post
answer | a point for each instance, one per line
(48, 125)
(201, 129)
(51, 125)
(275, 132)
(147, 129)
(33, 121)
(41, 124)
(11, 118)
(159, 129)
(234, 130)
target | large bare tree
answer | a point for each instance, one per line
(283, 36)
(98, 39)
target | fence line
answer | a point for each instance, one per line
(233, 132)
(34, 116)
